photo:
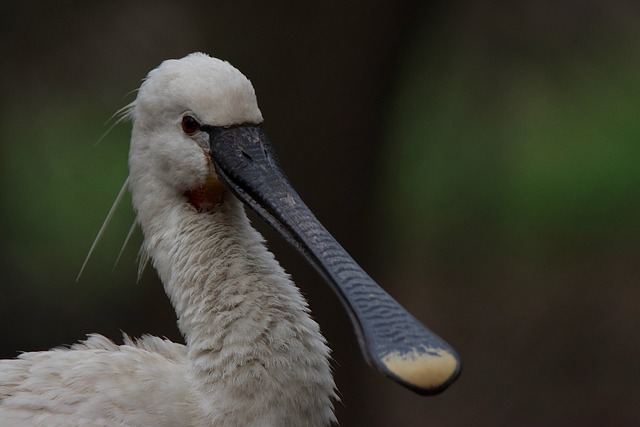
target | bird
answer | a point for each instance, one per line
(253, 355)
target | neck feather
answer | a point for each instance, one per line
(254, 352)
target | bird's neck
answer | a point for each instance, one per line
(253, 348)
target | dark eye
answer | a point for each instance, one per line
(190, 125)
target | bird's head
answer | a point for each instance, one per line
(178, 105)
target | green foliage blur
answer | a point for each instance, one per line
(538, 151)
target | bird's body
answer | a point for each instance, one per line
(148, 382)
(253, 355)
(97, 383)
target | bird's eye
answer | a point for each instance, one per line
(190, 125)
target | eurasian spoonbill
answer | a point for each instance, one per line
(253, 355)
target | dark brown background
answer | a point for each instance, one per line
(479, 159)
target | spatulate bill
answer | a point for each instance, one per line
(391, 339)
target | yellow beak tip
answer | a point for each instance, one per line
(431, 370)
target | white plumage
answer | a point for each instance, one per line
(253, 356)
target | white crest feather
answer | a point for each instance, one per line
(106, 222)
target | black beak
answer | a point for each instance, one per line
(391, 339)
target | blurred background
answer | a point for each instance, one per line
(479, 158)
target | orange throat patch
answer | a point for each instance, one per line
(206, 197)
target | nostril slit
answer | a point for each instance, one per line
(246, 155)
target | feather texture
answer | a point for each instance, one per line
(253, 355)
